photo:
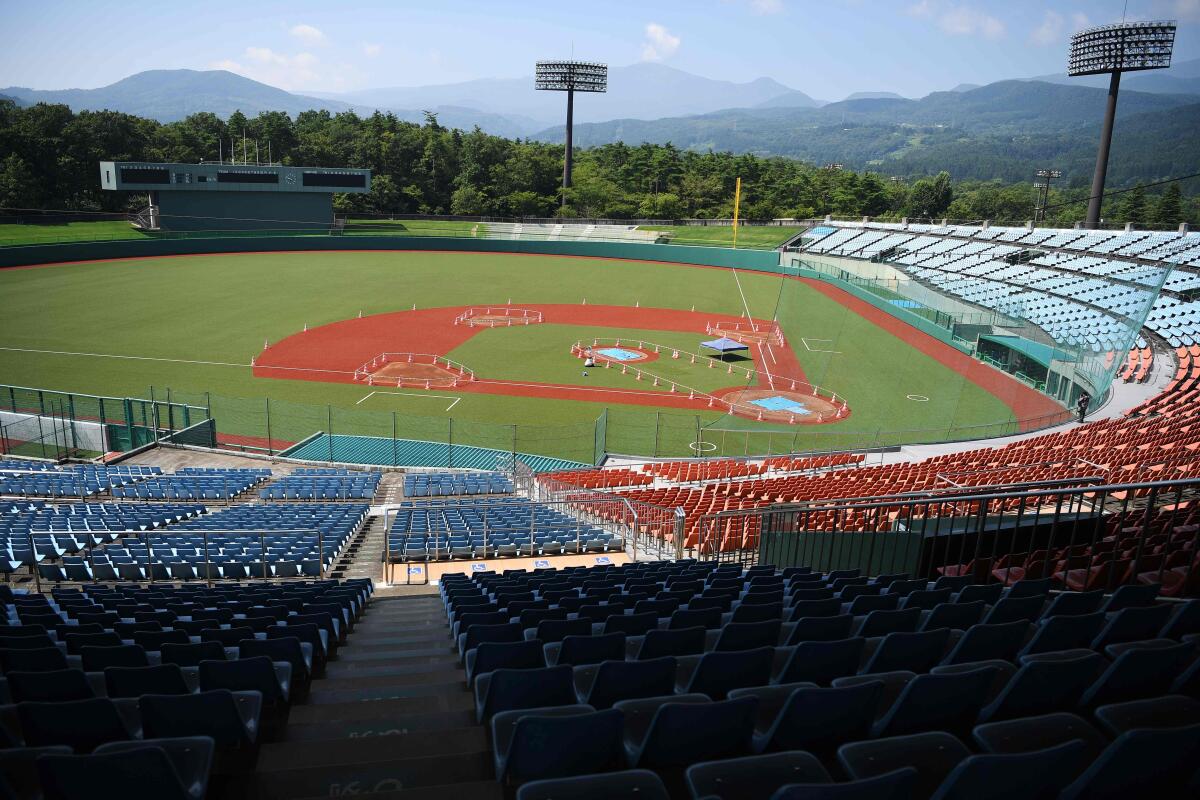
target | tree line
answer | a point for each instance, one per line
(49, 159)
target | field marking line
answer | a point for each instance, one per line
(771, 353)
(745, 305)
(637, 393)
(455, 398)
(765, 369)
(113, 355)
(812, 349)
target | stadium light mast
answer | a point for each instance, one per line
(1113, 49)
(570, 77)
(1042, 185)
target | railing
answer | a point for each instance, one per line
(1111, 532)
(498, 316)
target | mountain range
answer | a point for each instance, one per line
(992, 131)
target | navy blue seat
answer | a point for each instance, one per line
(828, 607)
(190, 655)
(35, 659)
(753, 777)
(681, 734)
(557, 746)
(865, 604)
(1038, 587)
(958, 616)
(821, 719)
(1133, 624)
(640, 783)
(153, 641)
(1131, 595)
(1013, 608)
(932, 755)
(717, 673)
(555, 630)
(49, 687)
(613, 681)
(490, 656)
(937, 702)
(157, 769)
(509, 689)
(988, 593)
(476, 635)
(680, 642)
(1138, 672)
(1184, 622)
(82, 725)
(987, 642)
(136, 681)
(1168, 711)
(1041, 687)
(578, 650)
(1024, 734)
(899, 784)
(285, 649)
(98, 659)
(1074, 604)
(1067, 632)
(881, 623)
(916, 652)
(1141, 763)
(821, 662)
(252, 674)
(820, 629)
(926, 599)
(1037, 774)
(748, 635)
(692, 617)
(632, 624)
(230, 720)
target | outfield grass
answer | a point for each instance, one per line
(193, 324)
(11, 234)
(763, 237)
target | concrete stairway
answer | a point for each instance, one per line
(363, 556)
(392, 715)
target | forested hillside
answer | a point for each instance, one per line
(49, 157)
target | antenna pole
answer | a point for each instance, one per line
(245, 155)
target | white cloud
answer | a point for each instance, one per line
(958, 20)
(766, 6)
(278, 69)
(371, 50)
(1049, 31)
(660, 43)
(308, 34)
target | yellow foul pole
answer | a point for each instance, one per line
(737, 201)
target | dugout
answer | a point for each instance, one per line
(214, 196)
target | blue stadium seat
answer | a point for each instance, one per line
(821, 662)
(48, 687)
(82, 725)
(987, 642)
(640, 783)
(1042, 687)
(937, 703)
(489, 656)
(1141, 763)
(681, 734)
(230, 719)
(753, 777)
(509, 689)
(580, 650)
(820, 629)
(136, 681)
(1138, 672)
(680, 642)
(154, 769)
(917, 652)
(1168, 711)
(821, 719)
(717, 673)
(933, 755)
(559, 746)
(899, 784)
(612, 681)
(1036, 774)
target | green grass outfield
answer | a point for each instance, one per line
(193, 324)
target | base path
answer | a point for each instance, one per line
(331, 353)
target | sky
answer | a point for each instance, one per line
(827, 48)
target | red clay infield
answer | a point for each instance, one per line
(331, 353)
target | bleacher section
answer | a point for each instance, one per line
(320, 483)
(165, 692)
(194, 483)
(493, 528)
(444, 484)
(38, 479)
(708, 681)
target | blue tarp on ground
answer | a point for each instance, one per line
(725, 345)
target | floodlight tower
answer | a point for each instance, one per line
(570, 77)
(1113, 49)
(1042, 187)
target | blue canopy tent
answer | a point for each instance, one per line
(725, 345)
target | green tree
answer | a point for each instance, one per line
(468, 202)
(1169, 209)
(1133, 206)
(930, 197)
(17, 186)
